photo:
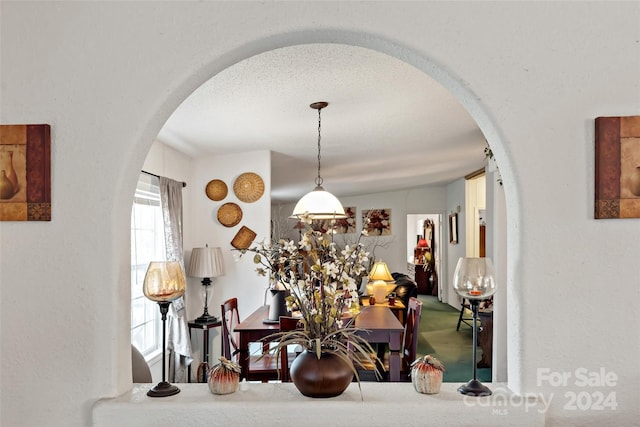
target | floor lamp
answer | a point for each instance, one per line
(474, 279)
(163, 283)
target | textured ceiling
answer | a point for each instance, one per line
(388, 125)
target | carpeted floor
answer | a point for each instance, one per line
(439, 338)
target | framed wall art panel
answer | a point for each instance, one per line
(379, 222)
(453, 228)
(617, 167)
(25, 172)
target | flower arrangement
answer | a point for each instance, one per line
(321, 279)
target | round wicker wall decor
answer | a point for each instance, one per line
(248, 187)
(229, 214)
(216, 190)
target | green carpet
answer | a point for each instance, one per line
(439, 338)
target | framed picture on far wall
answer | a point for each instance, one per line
(379, 222)
(453, 228)
(341, 226)
(348, 224)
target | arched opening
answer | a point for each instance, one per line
(446, 79)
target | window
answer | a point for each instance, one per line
(147, 244)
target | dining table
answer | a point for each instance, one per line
(377, 324)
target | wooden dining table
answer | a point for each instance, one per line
(379, 326)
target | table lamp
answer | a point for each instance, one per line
(163, 283)
(206, 263)
(474, 279)
(380, 275)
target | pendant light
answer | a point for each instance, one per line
(319, 203)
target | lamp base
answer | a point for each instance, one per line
(163, 389)
(206, 319)
(474, 388)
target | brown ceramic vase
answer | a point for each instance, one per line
(328, 376)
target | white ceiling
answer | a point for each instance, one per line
(388, 125)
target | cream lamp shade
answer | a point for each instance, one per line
(164, 281)
(206, 262)
(380, 275)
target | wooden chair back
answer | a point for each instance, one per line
(410, 343)
(230, 318)
(261, 368)
(286, 324)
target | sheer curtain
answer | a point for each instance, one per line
(178, 342)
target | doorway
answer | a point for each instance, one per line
(475, 208)
(424, 255)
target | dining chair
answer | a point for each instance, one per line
(262, 367)
(140, 371)
(465, 310)
(409, 348)
(286, 355)
(410, 342)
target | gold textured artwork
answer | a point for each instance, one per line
(617, 167)
(25, 172)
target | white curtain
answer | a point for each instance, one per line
(178, 342)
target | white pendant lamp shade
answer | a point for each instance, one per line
(319, 204)
(206, 262)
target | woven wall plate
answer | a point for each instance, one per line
(216, 190)
(243, 238)
(248, 187)
(229, 214)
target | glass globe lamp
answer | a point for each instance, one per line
(163, 283)
(474, 279)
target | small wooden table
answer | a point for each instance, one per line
(379, 325)
(205, 339)
(397, 308)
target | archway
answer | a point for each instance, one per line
(462, 93)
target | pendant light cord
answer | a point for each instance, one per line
(319, 178)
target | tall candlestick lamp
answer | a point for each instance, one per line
(163, 283)
(474, 279)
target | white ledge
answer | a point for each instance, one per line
(282, 404)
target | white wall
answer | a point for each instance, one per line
(240, 279)
(106, 75)
(497, 249)
(455, 204)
